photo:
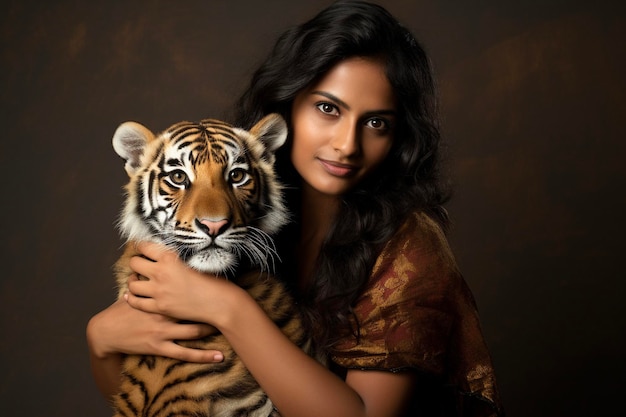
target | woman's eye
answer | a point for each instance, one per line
(237, 176)
(178, 177)
(379, 124)
(327, 108)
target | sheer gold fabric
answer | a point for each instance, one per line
(418, 313)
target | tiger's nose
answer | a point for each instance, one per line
(213, 227)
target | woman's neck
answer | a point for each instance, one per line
(318, 214)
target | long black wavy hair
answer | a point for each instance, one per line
(409, 178)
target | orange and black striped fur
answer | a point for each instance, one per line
(208, 191)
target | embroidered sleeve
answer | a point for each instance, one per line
(418, 313)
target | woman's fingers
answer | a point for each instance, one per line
(143, 266)
(190, 331)
(141, 302)
(133, 279)
(153, 250)
(192, 355)
(155, 260)
(170, 327)
(170, 330)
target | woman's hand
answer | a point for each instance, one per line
(174, 289)
(122, 329)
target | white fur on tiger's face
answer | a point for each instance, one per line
(207, 190)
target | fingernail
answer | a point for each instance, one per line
(126, 296)
(218, 358)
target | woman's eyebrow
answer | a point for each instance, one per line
(341, 103)
(332, 97)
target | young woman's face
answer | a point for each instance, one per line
(343, 126)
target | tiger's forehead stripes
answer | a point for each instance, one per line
(174, 162)
(206, 140)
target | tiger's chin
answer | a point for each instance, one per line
(214, 261)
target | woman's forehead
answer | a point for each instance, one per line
(358, 82)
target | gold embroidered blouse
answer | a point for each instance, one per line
(417, 313)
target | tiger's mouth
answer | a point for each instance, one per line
(212, 258)
(226, 253)
(187, 252)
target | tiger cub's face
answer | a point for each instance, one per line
(207, 190)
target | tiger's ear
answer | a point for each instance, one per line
(272, 132)
(129, 141)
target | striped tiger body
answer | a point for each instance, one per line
(208, 191)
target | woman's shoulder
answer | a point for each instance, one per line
(410, 304)
(419, 230)
(418, 254)
(417, 312)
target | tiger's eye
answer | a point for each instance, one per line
(237, 175)
(178, 177)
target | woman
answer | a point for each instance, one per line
(382, 294)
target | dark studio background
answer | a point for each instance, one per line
(533, 104)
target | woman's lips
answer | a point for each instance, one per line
(337, 169)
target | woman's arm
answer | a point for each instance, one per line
(121, 329)
(300, 386)
(297, 384)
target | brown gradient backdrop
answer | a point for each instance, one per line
(533, 104)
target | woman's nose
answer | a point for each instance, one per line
(346, 139)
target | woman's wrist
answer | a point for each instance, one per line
(234, 301)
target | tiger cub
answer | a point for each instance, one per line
(207, 190)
